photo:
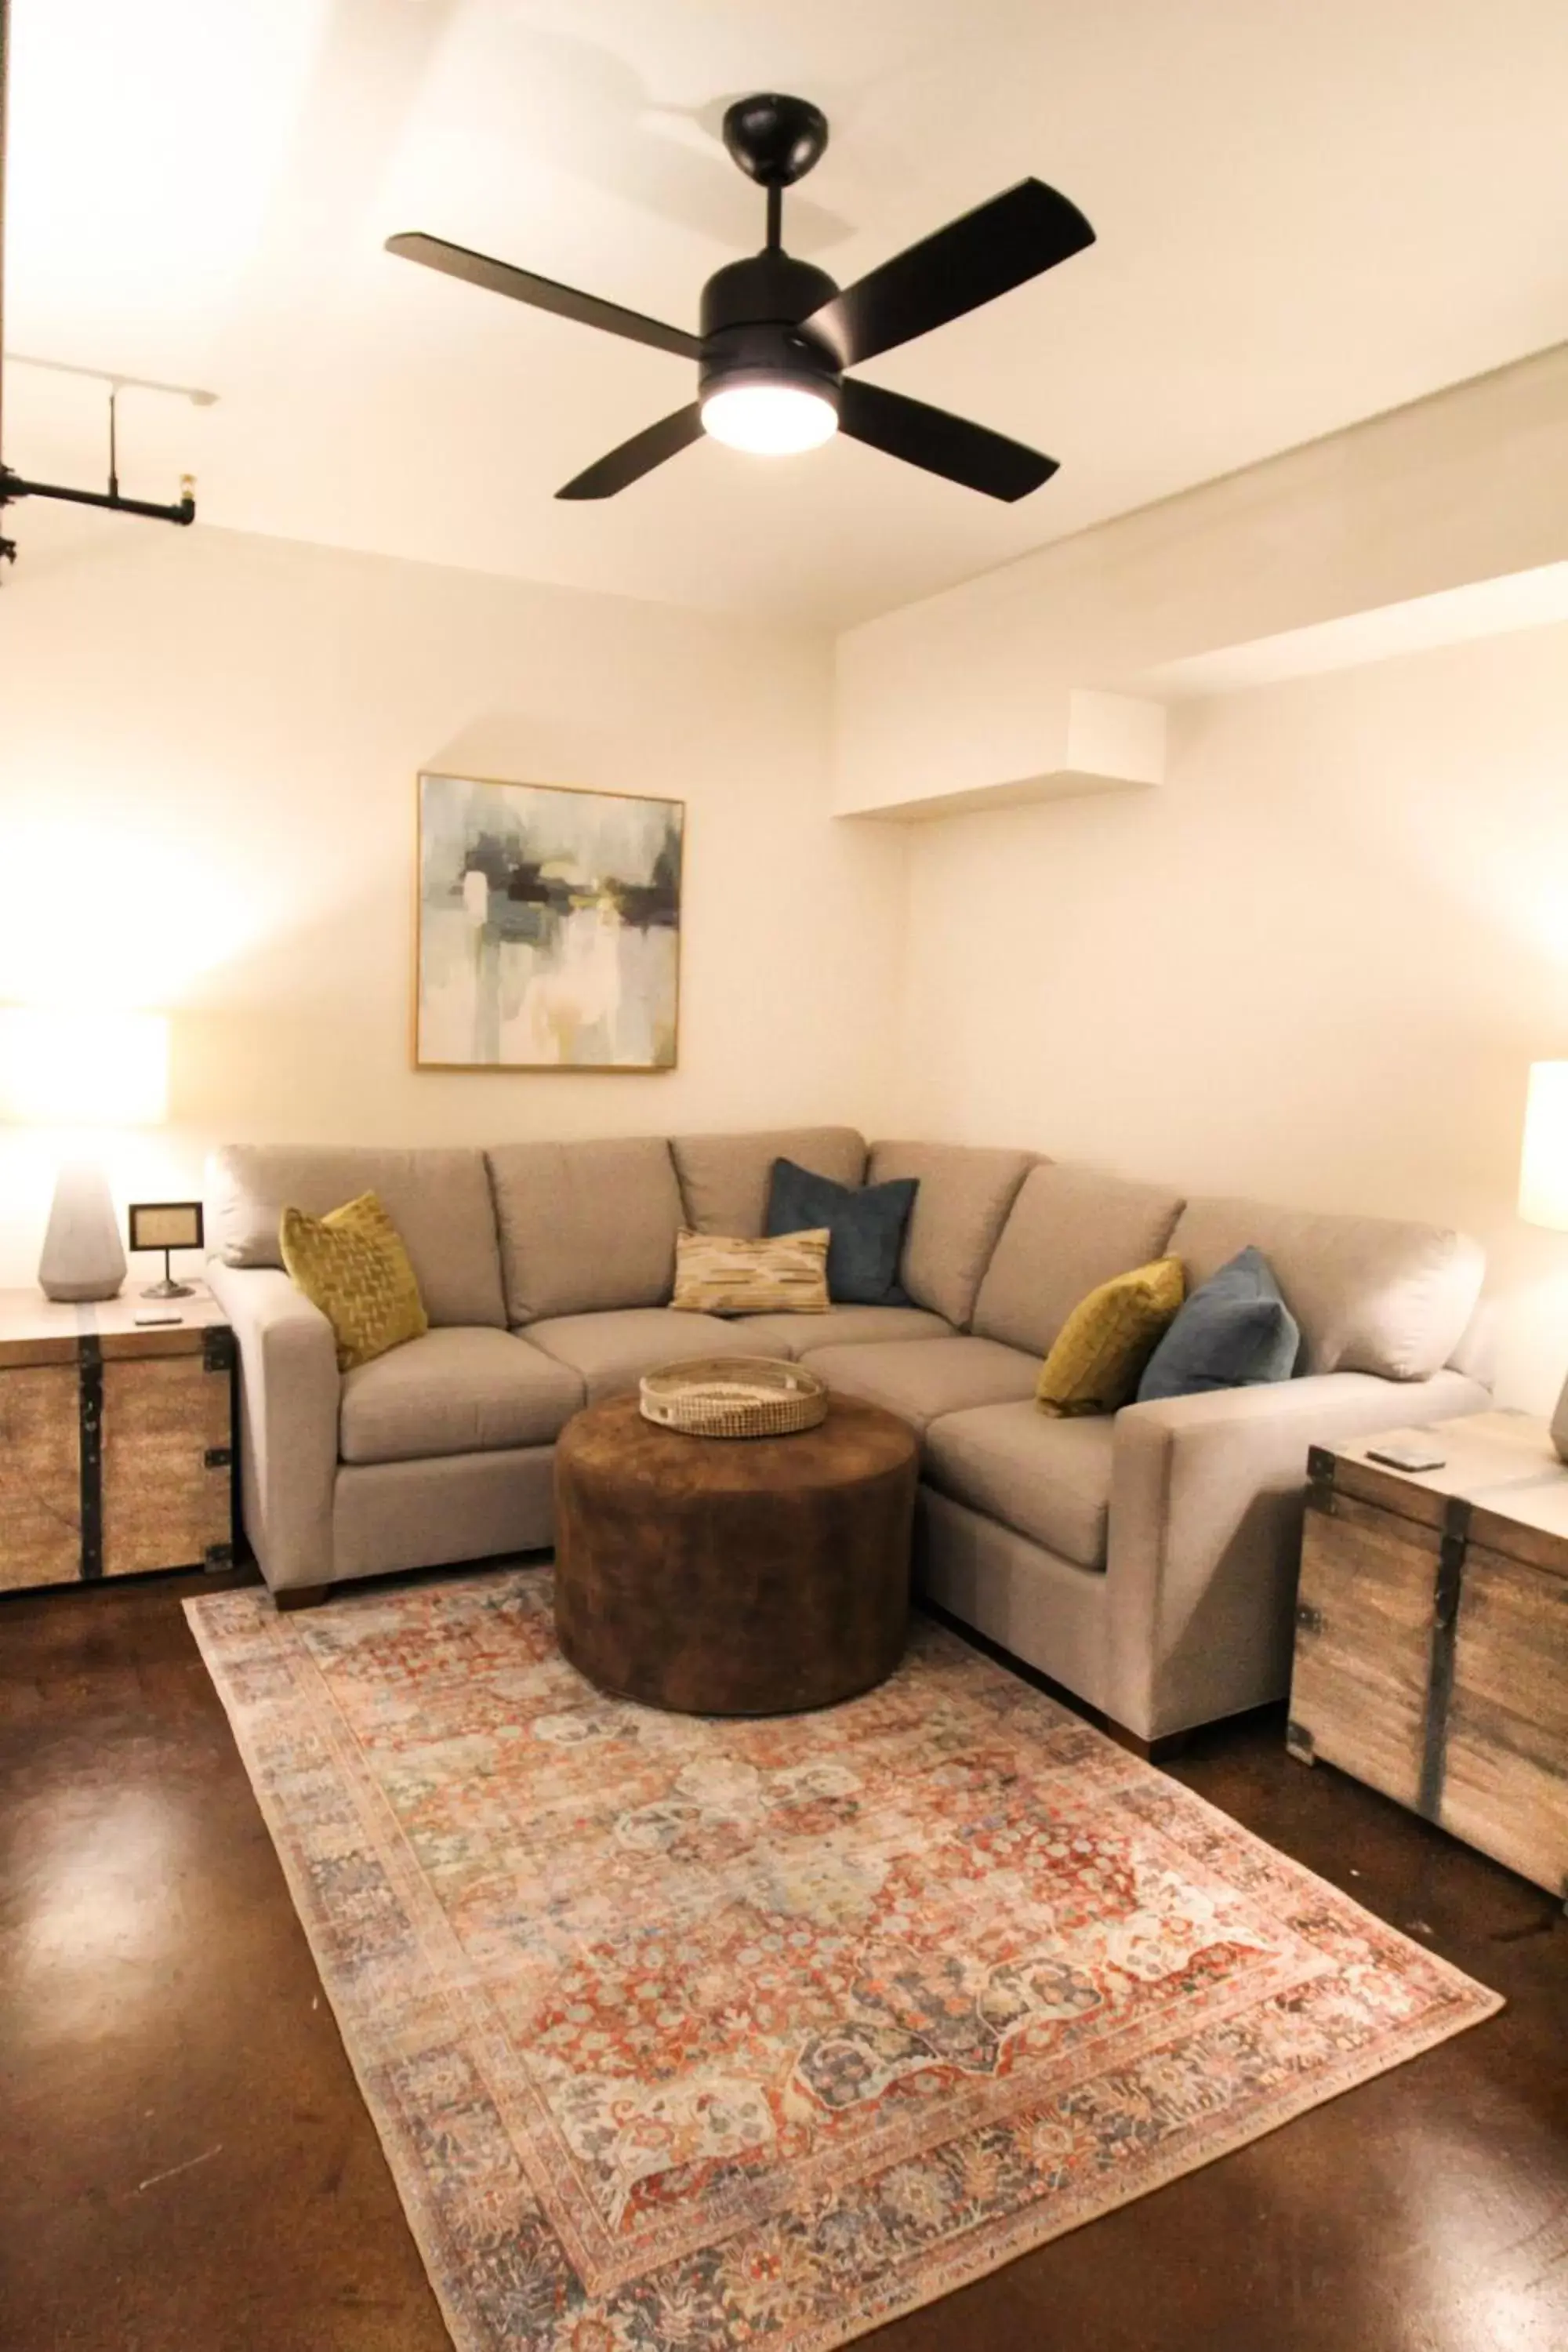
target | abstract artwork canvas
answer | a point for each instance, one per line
(549, 928)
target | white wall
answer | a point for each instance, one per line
(1314, 966)
(964, 691)
(208, 754)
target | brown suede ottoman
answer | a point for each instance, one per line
(734, 1576)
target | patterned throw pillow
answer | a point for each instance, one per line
(352, 1264)
(788, 1275)
(1103, 1345)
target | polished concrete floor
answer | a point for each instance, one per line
(185, 2165)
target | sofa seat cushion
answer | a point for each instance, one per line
(841, 1326)
(613, 1351)
(920, 1380)
(1048, 1479)
(455, 1392)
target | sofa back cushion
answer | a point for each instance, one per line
(965, 1192)
(1371, 1294)
(724, 1178)
(585, 1226)
(439, 1201)
(1070, 1230)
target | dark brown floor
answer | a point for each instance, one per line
(185, 2165)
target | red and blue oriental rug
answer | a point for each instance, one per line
(685, 2035)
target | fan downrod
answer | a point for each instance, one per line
(776, 141)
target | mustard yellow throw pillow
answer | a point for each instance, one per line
(352, 1264)
(1101, 1350)
(786, 1275)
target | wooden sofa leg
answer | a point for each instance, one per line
(1151, 1752)
(300, 1596)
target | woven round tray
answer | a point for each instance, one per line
(734, 1396)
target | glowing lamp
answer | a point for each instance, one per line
(89, 1070)
(1543, 1178)
(1543, 1171)
(769, 418)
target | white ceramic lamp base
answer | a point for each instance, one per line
(83, 1255)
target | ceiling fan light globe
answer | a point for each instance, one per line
(769, 420)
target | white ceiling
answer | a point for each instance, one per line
(1306, 214)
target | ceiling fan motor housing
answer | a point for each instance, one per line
(752, 330)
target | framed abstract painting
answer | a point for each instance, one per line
(549, 928)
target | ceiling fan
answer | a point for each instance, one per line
(778, 334)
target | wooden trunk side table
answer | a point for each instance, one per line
(116, 1442)
(1432, 1635)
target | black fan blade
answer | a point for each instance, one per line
(524, 285)
(638, 455)
(971, 261)
(970, 453)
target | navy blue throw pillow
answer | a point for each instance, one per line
(866, 1227)
(1234, 1332)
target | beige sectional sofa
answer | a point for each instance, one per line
(1146, 1561)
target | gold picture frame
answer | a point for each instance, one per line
(547, 926)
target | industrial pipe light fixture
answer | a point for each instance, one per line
(13, 487)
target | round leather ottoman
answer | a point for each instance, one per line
(734, 1576)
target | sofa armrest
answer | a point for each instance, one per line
(290, 1393)
(1205, 1528)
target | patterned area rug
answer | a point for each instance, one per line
(682, 2036)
